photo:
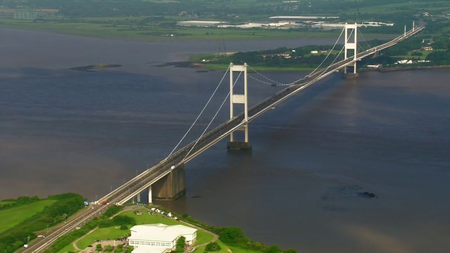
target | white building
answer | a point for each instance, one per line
(159, 238)
(201, 23)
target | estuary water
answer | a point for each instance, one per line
(316, 159)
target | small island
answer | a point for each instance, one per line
(90, 68)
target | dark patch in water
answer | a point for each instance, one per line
(343, 192)
(90, 68)
(331, 208)
(180, 64)
(367, 195)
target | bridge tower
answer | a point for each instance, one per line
(351, 43)
(239, 99)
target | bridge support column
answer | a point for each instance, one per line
(239, 99)
(138, 198)
(150, 197)
(172, 186)
(351, 43)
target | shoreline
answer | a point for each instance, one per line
(220, 67)
(385, 70)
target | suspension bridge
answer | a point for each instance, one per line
(166, 179)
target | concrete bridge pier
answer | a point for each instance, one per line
(138, 198)
(171, 186)
(150, 195)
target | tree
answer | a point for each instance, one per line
(109, 248)
(112, 210)
(124, 220)
(273, 249)
(231, 234)
(129, 249)
(119, 249)
(99, 247)
(181, 243)
(213, 246)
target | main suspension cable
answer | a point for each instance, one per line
(200, 114)
(362, 35)
(213, 118)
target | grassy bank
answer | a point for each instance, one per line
(229, 239)
(21, 220)
(112, 232)
(10, 218)
(115, 232)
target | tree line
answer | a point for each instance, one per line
(66, 205)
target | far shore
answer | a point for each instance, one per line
(224, 67)
(192, 34)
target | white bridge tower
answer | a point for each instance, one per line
(239, 99)
(351, 43)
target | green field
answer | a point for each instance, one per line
(14, 216)
(222, 245)
(153, 20)
(102, 234)
(68, 248)
(203, 237)
(153, 32)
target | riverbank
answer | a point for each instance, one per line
(408, 68)
(223, 67)
(253, 68)
(117, 220)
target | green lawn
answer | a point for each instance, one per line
(222, 245)
(68, 248)
(102, 234)
(203, 237)
(145, 218)
(14, 216)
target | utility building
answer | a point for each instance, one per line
(159, 238)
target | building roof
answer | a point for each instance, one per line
(159, 232)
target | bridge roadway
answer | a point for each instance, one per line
(142, 181)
